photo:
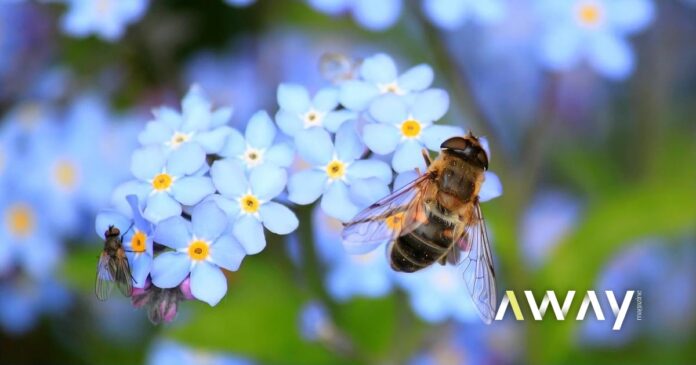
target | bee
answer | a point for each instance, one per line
(435, 218)
(113, 266)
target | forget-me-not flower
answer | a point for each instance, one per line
(137, 238)
(165, 352)
(406, 126)
(23, 300)
(105, 18)
(298, 111)
(346, 182)
(451, 14)
(592, 30)
(166, 182)
(256, 147)
(378, 75)
(372, 15)
(197, 124)
(247, 200)
(201, 249)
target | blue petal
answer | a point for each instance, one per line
(430, 105)
(389, 108)
(560, 48)
(334, 120)
(306, 186)
(249, 232)
(336, 202)
(611, 56)
(208, 283)
(140, 222)
(491, 188)
(260, 131)
(379, 68)
(169, 117)
(404, 178)
(155, 133)
(416, 78)
(630, 16)
(381, 138)
(314, 146)
(356, 94)
(288, 122)
(221, 116)
(147, 162)
(377, 15)
(140, 265)
(185, 159)
(434, 135)
(446, 14)
(348, 145)
(174, 232)
(234, 145)
(408, 157)
(140, 189)
(229, 206)
(229, 178)
(214, 140)
(208, 221)
(227, 253)
(267, 181)
(169, 269)
(281, 154)
(278, 218)
(293, 98)
(111, 218)
(191, 190)
(41, 257)
(367, 191)
(326, 99)
(160, 206)
(370, 168)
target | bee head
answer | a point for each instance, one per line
(468, 148)
(112, 231)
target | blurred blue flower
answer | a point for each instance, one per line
(438, 293)
(197, 124)
(248, 201)
(378, 75)
(137, 238)
(346, 182)
(172, 353)
(166, 182)
(372, 15)
(23, 300)
(594, 30)
(240, 2)
(105, 18)
(27, 238)
(256, 147)
(315, 323)
(451, 14)
(366, 275)
(297, 111)
(201, 249)
(406, 126)
(547, 220)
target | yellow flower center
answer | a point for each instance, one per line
(138, 241)
(198, 250)
(336, 169)
(395, 221)
(178, 138)
(411, 128)
(313, 118)
(66, 174)
(253, 157)
(391, 87)
(162, 181)
(249, 204)
(589, 13)
(20, 219)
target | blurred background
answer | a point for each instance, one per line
(593, 137)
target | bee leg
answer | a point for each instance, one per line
(426, 157)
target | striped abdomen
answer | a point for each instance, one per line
(425, 244)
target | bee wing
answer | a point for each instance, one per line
(104, 282)
(473, 252)
(124, 279)
(375, 225)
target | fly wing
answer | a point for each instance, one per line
(105, 281)
(473, 252)
(392, 216)
(124, 279)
